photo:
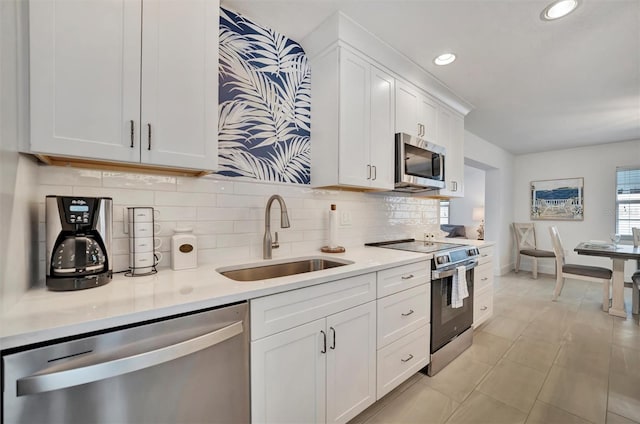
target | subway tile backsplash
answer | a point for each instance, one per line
(227, 214)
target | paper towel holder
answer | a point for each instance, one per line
(333, 227)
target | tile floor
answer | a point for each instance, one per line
(534, 361)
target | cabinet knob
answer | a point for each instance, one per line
(483, 308)
(484, 279)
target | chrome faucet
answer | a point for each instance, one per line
(267, 245)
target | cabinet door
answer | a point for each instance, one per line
(428, 119)
(288, 372)
(451, 136)
(355, 107)
(180, 83)
(382, 129)
(351, 362)
(407, 109)
(85, 78)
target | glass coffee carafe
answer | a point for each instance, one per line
(78, 255)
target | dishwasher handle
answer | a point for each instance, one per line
(74, 377)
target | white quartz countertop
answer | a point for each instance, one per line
(41, 315)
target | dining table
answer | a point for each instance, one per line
(619, 254)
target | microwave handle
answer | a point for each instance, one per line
(441, 159)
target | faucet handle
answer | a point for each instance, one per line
(275, 244)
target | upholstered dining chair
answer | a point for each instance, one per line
(579, 272)
(526, 245)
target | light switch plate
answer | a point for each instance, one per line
(345, 218)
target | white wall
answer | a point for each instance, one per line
(498, 211)
(461, 210)
(18, 214)
(597, 164)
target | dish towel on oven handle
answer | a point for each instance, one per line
(459, 287)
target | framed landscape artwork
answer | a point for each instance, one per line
(557, 199)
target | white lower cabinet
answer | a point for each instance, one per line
(483, 287)
(323, 371)
(401, 359)
(404, 316)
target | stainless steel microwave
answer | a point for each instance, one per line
(419, 164)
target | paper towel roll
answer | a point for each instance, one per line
(333, 227)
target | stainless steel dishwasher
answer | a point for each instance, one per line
(186, 369)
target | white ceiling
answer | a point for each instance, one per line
(535, 85)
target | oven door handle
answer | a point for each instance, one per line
(449, 272)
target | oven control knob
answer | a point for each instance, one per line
(442, 259)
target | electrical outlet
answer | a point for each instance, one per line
(345, 218)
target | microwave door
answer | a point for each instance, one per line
(418, 162)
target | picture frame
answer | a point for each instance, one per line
(557, 200)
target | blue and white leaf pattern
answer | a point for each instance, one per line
(265, 103)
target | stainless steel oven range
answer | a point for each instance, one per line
(451, 328)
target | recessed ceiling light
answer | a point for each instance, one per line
(558, 9)
(444, 59)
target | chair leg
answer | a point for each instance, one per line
(605, 296)
(559, 285)
(535, 268)
(517, 262)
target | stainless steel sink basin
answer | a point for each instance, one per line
(255, 272)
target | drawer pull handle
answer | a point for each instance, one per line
(333, 346)
(483, 308)
(407, 277)
(410, 357)
(132, 134)
(484, 279)
(484, 255)
(408, 313)
(324, 343)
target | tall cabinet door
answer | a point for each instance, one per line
(407, 109)
(351, 362)
(85, 78)
(180, 83)
(382, 129)
(288, 370)
(355, 105)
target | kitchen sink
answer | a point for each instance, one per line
(255, 272)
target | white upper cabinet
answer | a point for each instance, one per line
(91, 60)
(451, 136)
(416, 113)
(85, 78)
(352, 121)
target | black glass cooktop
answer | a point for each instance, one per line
(412, 245)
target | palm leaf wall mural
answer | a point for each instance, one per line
(265, 103)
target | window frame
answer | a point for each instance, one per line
(618, 202)
(441, 207)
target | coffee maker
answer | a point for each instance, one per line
(78, 242)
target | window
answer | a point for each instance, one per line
(627, 200)
(444, 212)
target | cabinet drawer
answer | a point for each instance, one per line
(486, 254)
(402, 313)
(271, 314)
(482, 306)
(482, 276)
(401, 359)
(403, 277)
